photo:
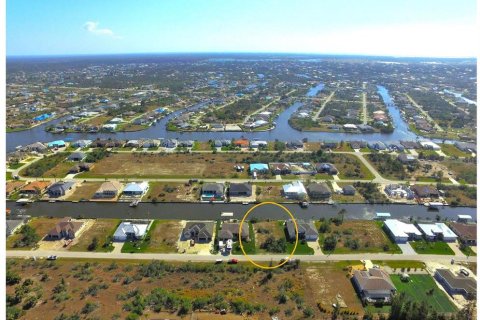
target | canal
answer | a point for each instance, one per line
(283, 131)
(208, 211)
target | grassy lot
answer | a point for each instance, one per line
(172, 192)
(8, 175)
(84, 191)
(15, 165)
(468, 251)
(431, 179)
(103, 230)
(270, 192)
(41, 226)
(431, 247)
(98, 121)
(46, 166)
(163, 165)
(340, 198)
(266, 229)
(464, 171)
(354, 236)
(452, 151)
(161, 238)
(417, 290)
(350, 167)
(400, 264)
(201, 146)
(460, 195)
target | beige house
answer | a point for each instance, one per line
(108, 189)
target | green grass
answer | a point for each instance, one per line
(400, 264)
(432, 180)
(468, 251)
(15, 165)
(431, 247)
(8, 175)
(416, 289)
(248, 247)
(139, 246)
(452, 151)
(302, 248)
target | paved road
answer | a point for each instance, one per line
(207, 258)
(425, 113)
(315, 117)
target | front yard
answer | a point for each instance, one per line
(431, 247)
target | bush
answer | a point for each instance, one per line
(12, 278)
(329, 243)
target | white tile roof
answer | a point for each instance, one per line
(401, 229)
(432, 230)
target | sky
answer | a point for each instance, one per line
(419, 28)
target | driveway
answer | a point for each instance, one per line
(407, 249)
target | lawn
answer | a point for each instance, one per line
(452, 151)
(103, 230)
(400, 264)
(47, 166)
(8, 175)
(15, 165)
(163, 165)
(41, 225)
(359, 236)
(248, 247)
(417, 290)
(468, 251)
(431, 247)
(162, 237)
(84, 191)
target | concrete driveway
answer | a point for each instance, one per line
(407, 248)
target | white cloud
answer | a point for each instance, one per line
(92, 27)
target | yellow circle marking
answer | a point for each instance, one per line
(240, 237)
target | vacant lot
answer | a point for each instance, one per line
(46, 166)
(172, 192)
(41, 226)
(164, 235)
(326, 284)
(84, 191)
(270, 192)
(465, 171)
(98, 121)
(452, 151)
(112, 288)
(355, 236)
(176, 165)
(431, 247)
(103, 230)
(418, 289)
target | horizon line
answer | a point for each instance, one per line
(233, 52)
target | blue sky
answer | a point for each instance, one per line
(444, 28)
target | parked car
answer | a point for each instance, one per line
(233, 261)
(464, 272)
(52, 258)
(218, 261)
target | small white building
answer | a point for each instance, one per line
(349, 126)
(130, 231)
(429, 145)
(258, 143)
(401, 232)
(136, 189)
(294, 190)
(437, 231)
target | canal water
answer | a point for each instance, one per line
(208, 211)
(283, 131)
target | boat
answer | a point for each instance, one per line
(134, 203)
(245, 203)
(304, 204)
(24, 201)
(331, 202)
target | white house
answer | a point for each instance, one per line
(401, 232)
(136, 189)
(258, 143)
(429, 145)
(294, 190)
(437, 231)
(130, 230)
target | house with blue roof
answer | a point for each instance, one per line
(56, 144)
(258, 167)
(136, 189)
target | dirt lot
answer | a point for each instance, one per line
(108, 283)
(270, 192)
(168, 165)
(173, 192)
(327, 281)
(41, 225)
(60, 170)
(369, 235)
(84, 191)
(100, 229)
(164, 236)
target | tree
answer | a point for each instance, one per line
(94, 245)
(330, 243)
(12, 278)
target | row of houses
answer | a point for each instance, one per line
(283, 168)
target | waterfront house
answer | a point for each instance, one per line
(295, 144)
(135, 189)
(36, 147)
(77, 156)
(406, 158)
(399, 191)
(198, 231)
(457, 284)
(294, 190)
(280, 168)
(425, 191)
(56, 144)
(242, 143)
(437, 231)
(213, 192)
(401, 232)
(319, 191)
(240, 190)
(466, 232)
(131, 230)
(34, 188)
(108, 189)
(306, 230)
(230, 231)
(258, 168)
(60, 188)
(349, 190)
(66, 228)
(81, 143)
